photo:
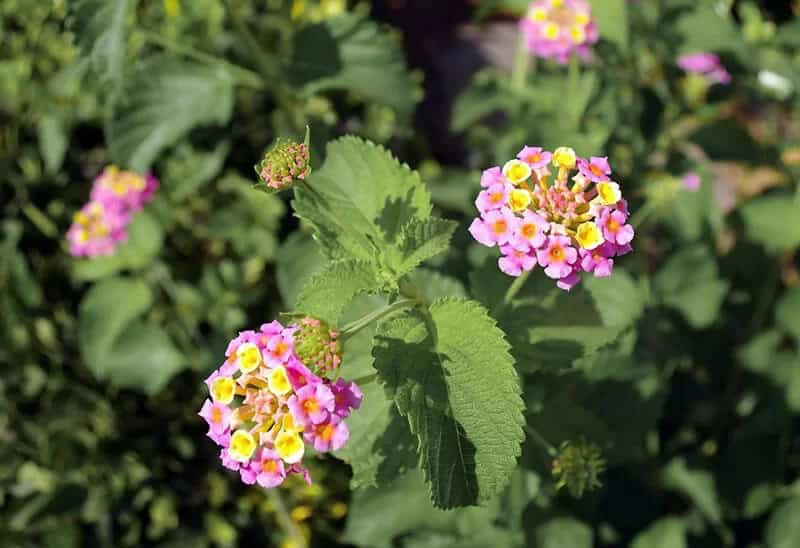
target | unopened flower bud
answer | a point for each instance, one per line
(286, 163)
(578, 466)
(317, 345)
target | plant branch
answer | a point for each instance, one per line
(539, 439)
(244, 76)
(511, 292)
(285, 520)
(357, 325)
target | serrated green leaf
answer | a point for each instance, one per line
(697, 485)
(331, 289)
(361, 198)
(451, 375)
(119, 348)
(767, 222)
(421, 240)
(145, 239)
(664, 533)
(164, 98)
(413, 515)
(783, 528)
(351, 52)
(380, 447)
(143, 359)
(105, 312)
(563, 532)
(299, 258)
(787, 313)
(432, 285)
(618, 299)
(690, 282)
(99, 27)
(612, 20)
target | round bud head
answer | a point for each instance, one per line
(317, 345)
(578, 466)
(286, 163)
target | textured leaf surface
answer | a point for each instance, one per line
(331, 289)
(665, 533)
(690, 282)
(769, 222)
(362, 198)
(451, 374)
(99, 26)
(413, 515)
(299, 258)
(351, 52)
(422, 240)
(116, 345)
(165, 98)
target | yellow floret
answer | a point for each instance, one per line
(577, 34)
(289, 446)
(279, 381)
(248, 357)
(223, 389)
(519, 199)
(517, 171)
(589, 235)
(242, 447)
(551, 31)
(609, 193)
(564, 157)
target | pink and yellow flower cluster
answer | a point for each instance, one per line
(566, 224)
(556, 29)
(266, 404)
(101, 225)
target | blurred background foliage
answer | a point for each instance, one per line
(687, 376)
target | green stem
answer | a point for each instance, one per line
(285, 520)
(354, 327)
(543, 443)
(511, 292)
(519, 72)
(642, 214)
(40, 220)
(244, 76)
(366, 379)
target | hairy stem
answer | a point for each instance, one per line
(357, 325)
(539, 439)
(519, 72)
(285, 520)
(511, 292)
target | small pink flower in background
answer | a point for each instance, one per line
(98, 229)
(707, 64)
(101, 225)
(574, 222)
(691, 181)
(276, 409)
(557, 29)
(126, 189)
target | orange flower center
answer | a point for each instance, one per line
(529, 231)
(310, 405)
(496, 197)
(270, 466)
(595, 169)
(216, 415)
(556, 254)
(612, 225)
(500, 226)
(533, 158)
(325, 432)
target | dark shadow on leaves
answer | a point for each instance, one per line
(395, 213)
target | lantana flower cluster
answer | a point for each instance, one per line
(272, 396)
(101, 225)
(556, 29)
(566, 224)
(706, 64)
